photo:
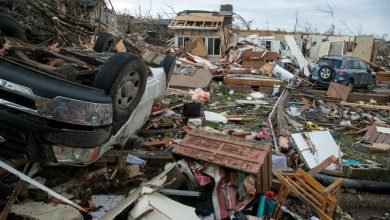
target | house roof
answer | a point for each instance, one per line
(200, 16)
(201, 20)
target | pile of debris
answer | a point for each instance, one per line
(65, 22)
(248, 137)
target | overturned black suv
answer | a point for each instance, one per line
(69, 106)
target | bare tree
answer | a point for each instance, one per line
(345, 24)
(148, 15)
(171, 14)
(308, 26)
(244, 23)
(329, 11)
(296, 20)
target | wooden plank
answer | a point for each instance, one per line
(252, 80)
(383, 76)
(367, 106)
(316, 170)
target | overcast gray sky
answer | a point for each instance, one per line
(361, 16)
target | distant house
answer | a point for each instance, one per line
(99, 11)
(213, 27)
(312, 45)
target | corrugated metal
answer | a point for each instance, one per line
(373, 136)
(231, 152)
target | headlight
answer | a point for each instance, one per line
(71, 155)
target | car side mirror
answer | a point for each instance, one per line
(370, 70)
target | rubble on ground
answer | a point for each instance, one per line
(248, 137)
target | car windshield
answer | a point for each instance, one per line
(331, 62)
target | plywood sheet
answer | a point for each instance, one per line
(339, 91)
(323, 145)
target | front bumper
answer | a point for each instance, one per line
(52, 131)
(36, 136)
(45, 96)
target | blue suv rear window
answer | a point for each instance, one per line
(331, 62)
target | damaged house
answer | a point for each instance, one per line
(210, 31)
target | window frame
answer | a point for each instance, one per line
(354, 66)
(184, 37)
(270, 45)
(207, 38)
(363, 65)
(347, 62)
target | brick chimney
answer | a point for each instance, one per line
(227, 12)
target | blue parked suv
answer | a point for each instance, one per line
(345, 70)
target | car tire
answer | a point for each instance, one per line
(326, 73)
(371, 84)
(104, 43)
(11, 27)
(169, 64)
(351, 84)
(123, 77)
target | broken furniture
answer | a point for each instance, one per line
(232, 152)
(322, 199)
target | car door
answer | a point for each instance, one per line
(358, 73)
(349, 71)
(365, 74)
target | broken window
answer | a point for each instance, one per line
(213, 46)
(350, 46)
(181, 40)
(348, 64)
(355, 64)
(268, 45)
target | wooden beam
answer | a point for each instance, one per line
(328, 161)
(367, 106)
(283, 132)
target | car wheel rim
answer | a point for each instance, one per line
(325, 73)
(128, 90)
(109, 46)
(371, 84)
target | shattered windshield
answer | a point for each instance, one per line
(331, 62)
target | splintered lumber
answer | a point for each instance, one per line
(33, 182)
(368, 106)
(283, 132)
(383, 76)
(316, 170)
